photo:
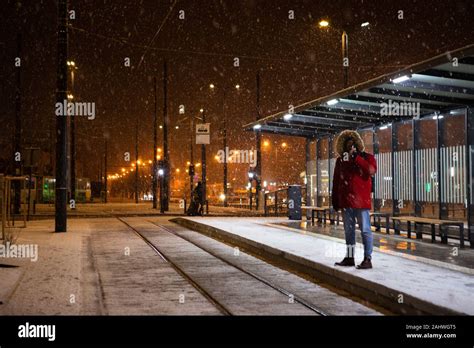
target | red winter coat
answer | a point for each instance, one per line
(352, 182)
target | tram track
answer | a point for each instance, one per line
(253, 275)
(218, 304)
(222, 308)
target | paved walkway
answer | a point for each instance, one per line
(98, 267)
(425, 280)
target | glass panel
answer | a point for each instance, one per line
(323, 172)
(383, 177)
(426, 164)
(403, 167)
(312, 173)
(368, 138)
(453, 168)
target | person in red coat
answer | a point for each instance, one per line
(351, 192)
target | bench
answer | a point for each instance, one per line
(427, 221)
(324, 211)
(377, 215)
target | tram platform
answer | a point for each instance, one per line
(409, 276)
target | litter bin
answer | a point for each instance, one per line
(294, 202)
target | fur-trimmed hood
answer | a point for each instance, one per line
(343, 136)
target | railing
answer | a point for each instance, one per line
(276, 202)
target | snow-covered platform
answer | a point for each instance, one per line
(404, 283)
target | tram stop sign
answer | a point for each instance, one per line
(203, 134)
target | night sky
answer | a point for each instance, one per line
(298, 62)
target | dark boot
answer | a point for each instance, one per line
(348, 261)
(366, 264)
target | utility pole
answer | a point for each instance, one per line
(225, 148)
(191, 154)
(73, 141)
(137, 166)
(17, 137)
(155, 149)
(203, 164)
(166, 177)
(61, 122)
(105, 172)
(258, 139)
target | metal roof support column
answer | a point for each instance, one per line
(376, 151)
(395, 203)
(469, 124)
(308, 176)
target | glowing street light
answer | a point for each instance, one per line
(323, 23)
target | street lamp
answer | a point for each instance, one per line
(190, 164)
(224, 92)
(324, 24)
(72, 145)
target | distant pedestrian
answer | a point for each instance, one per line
(195, 206)
(352, 187)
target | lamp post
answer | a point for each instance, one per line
(253, 176)
(61, 124)
(203, 161)
(155, 148)
(191, 166)
(72, 67)
(324, 24)
(224, 131)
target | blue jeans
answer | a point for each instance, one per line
(363, 219)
